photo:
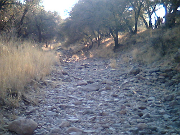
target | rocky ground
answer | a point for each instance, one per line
(92, 97)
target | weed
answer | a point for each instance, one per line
(19, 65)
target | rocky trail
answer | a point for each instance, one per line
(89, 97)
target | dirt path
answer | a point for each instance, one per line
(89, 97)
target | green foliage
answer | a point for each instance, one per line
(29, 20)
(95, 18)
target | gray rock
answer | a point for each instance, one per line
(65, 124)
(50, 113)
(161, 111)
(108, 87)
(169, 98)
(135, 71)
(147, 115)
(55, 131)
(166, 116)
(142, 126)
(73, 119)
(74, 129)
(177, 57)
(81, 82)
(91, 87)
(23, 126)
(151, 99)
(107, 82)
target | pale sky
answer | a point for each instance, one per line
(61, 6)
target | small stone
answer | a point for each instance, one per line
(87, 112)
(91, 87)
(162, 111)
(114, 95)
(135, 71)
(166, 117)
(108, 87)
(161, 77)
(64, 72)
(142, 107)
(140, 114)
(107, 82)
(177, 57)
(50, 113)
(103, 114)
(169, 98)
(142, 126)
(134, 130)
(123, 112)
(73, 129)
(31, 109)
(123, 107)
(173, 103)
(147, 115)
(23, 126)
(89, 131)
(78, 103)
(151, 99)
(65, 124)
(81, 82)
(93, 118)
(73, 119)
(153, 129)
(55, 131)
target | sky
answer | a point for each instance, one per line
(61, 6)
(160, 13)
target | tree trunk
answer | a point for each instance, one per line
(144, 20)
(150, 22)
(115, 36)
(136, 23)
(39, 33)
(22, 19)
(39, 29)
(116, 40)
(99, 38)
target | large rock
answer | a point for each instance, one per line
(23, 126)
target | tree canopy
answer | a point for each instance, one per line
(89, 20)
(28, 20)
(95, 18)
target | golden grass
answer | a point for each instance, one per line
(19, 66)
(152, 45)
(113, 63)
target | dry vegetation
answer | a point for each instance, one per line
(146, 47)
(20, 64)
(152, 45)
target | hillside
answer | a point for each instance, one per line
(134, 91)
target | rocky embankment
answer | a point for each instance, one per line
(89, 97)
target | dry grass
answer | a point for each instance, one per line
(19, 66)
(152, 45)
(113, 63)
(105, 50)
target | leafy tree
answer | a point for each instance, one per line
(95, 18)
(28, 20)
(149, 8)
(137, 6)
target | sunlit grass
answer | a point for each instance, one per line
(19, 66)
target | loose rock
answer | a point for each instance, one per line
(23, 126)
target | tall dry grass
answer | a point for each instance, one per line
(20, 63)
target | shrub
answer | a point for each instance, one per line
(19, 66)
